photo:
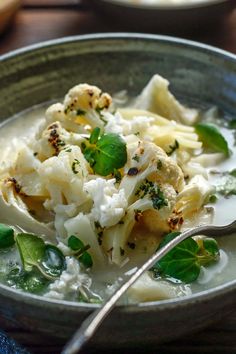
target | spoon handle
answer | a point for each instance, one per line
(94, 320)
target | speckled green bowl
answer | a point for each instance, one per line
(199, 75)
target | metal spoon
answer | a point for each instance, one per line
(93, 321)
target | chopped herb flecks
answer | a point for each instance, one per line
(75, 163)
(80, 112)
(153, 191)
(173, 148)
(136, 157)
(159, 164)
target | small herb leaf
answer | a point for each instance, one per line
(75, 243)
(80, 251)
(184, 261)
(181, 262)
(53, 261)
(106, 154)
(212, 137)
(86, 260)
(48, 259)
(94, 136)
(6, 236)
(31, 248)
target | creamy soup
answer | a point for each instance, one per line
(90, 189)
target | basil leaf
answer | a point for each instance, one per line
(184, 261)
(211, 247)
(181, 262)
(75, 243)
(53, 261)
(86, 260)
(83, 256)
(48, 259)
(32, 282)
(212, 137)
(31, 248)
(109, 153)
(94, 135)
(6, 236)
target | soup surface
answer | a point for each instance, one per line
(91, 188)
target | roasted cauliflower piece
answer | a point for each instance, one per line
(85, 102)
(157, 98)
(148, 161)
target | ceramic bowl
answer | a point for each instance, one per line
(200, 75)
(179, 18)
(8, 9)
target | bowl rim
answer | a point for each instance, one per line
(205, 295)
(195, 4)
(118, 36)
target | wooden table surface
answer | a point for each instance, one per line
(40, 20)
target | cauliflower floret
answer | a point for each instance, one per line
(81, 226)
(56, 112)
(156, 98)
(157, 220)
(109, 204)
(148, 161)
(86, 102)
(152, 208)
(194, 196)
(70, 281)
(13, 208)
(63, 176)
(53, 140)
(24, 171)
(118, 125)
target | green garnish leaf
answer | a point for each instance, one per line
(184, 261)
(181, 262)
(32, 282)
(48, 259)
(75, 243)
(80, 251)
(172, 148)
(212, 137)
(53, 261)
(106, 154)
(31, 248)
(86, 260)
(6, 236)
(94, 135)
(211, 247)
